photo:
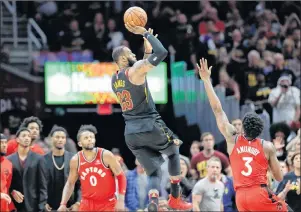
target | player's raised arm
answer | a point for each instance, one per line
(223, 123)
(69, 186)
(141, 67)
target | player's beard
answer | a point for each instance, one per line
(132, 62)
(2, 153)
(88, 148)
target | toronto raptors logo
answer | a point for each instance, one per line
(279, 206)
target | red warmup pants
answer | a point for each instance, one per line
(96, 205)
(258, 198)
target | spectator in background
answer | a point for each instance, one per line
(228, 85)
(294, 144)
(34, 125)
(288, 49)
(6, 168)
(183, 41)
(96, 38)
(136, 196)
(273, 44)
(284, 170)
(195, 148)
(278, 70)
(285, 100)
(29, 181)
(58, 166)
(229, 194)
(288, 159)
(115, 36)
(207, 193)
(199, 161)
(280, 133)
(73, 39)
(295, 64)
(289, 188)
(252, 70)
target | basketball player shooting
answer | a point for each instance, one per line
(146, 135)
(97, 169)
(250, 156)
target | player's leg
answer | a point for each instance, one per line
(164, 144)
(151, 161)
(240, 199)
(262, 199)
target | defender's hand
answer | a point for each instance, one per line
(203, 69)
(74, 207)
(47, 207)
(138, 30)
(147, 46)
(6, 197)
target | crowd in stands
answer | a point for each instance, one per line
(254, 48)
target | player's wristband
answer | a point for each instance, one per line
(121, 183)
(146, 34)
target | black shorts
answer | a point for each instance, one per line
(148, 147)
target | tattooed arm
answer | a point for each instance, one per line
(69, 186)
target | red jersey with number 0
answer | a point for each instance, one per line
(97, 180)
(248, 162)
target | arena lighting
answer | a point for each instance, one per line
(74, 83)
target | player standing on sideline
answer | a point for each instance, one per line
(250, 157)
(146, 135)
(97, 169)
(6, 168)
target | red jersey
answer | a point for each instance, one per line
(97, 180)
(6, 169)
(12, 147)
(248, 162)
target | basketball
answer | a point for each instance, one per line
(137, 15)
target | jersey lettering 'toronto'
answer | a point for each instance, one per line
(97, 180)
(248, 162)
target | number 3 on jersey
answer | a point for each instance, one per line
(247, 160)
(125, 100)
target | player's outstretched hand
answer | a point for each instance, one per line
(147, 46)
(203, 69)
(138, 30)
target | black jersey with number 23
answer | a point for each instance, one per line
(138, 108)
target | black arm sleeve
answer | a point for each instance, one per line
(160, 52)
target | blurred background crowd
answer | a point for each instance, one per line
(254, 48)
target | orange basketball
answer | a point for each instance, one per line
(137, 15)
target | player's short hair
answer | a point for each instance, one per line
(3, 137)
(205, 134)
(32, 119)
(22, 129)
(252, 125)
(84, 128)
(117, 52)
(214, 159)
(57, 128)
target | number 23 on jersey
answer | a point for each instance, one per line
(125, 100)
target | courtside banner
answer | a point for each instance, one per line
(75, 83)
